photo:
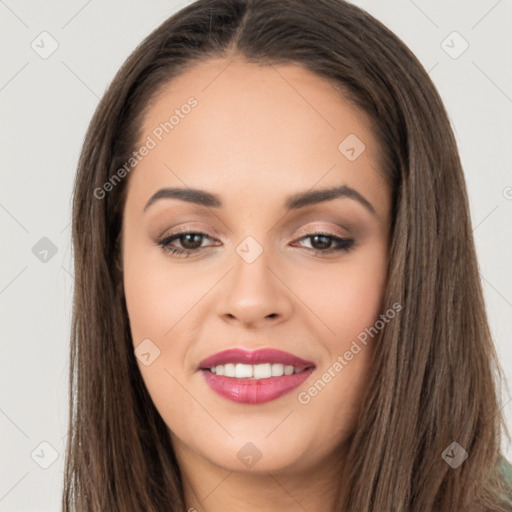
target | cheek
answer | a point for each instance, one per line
(163, 301)
(157, 296)
(157, 304)
(348, 300)
(350, 309)
(358, 300)
(346, 297)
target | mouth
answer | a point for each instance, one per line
(254, 377)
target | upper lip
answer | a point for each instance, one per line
(264, 355)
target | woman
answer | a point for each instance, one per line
(277, 302)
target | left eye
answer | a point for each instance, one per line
(191, 242)
(321, 240)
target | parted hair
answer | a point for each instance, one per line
(435, 375)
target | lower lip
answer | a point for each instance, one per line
(250, 391)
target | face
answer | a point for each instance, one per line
(263, 260)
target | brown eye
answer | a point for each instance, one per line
(190, 242)
(322, 243)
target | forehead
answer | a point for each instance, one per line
(254, 126)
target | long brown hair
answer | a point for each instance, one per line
(435, 375)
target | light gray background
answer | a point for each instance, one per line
(46, 105)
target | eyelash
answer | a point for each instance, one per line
(344, 244)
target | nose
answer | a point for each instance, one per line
(254, 293)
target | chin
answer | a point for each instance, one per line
(259, 452)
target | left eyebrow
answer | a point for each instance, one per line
(327, 194)
(294, 202)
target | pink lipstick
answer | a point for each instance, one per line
(254, 377)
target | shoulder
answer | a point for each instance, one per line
(506, 470)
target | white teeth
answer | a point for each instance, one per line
(254, 371)
(243, 371)
(262, 371)
(277, 370)
(229, 370)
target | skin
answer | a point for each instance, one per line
(257, 135)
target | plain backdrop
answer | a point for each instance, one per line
(46, 104)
